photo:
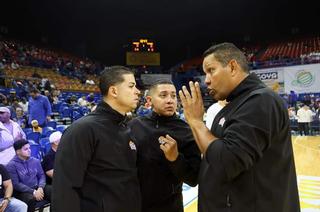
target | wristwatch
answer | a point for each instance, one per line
(7, 198)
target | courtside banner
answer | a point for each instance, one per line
(302, 79)
(272, 77)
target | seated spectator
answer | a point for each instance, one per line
(24, 104)
(82, 101)
(29, 181)
(35, 126)
(7, 202)
(10, 132)
(90, 97)
(21, 118)
(48, 159)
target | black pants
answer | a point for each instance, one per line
(31, 201)
(304, 127)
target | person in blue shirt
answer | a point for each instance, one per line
(39, 108)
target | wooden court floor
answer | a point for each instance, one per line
(307, 159)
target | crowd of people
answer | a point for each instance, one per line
(15, 54)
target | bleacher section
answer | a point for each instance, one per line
(63, 83)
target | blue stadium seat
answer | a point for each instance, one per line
(35, 150)
(61, 128)
(66, 113)
(45, 145)
(52, 124)
(35, 136)
(27, 130)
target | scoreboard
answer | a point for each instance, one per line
(143, 45)
(143, 52)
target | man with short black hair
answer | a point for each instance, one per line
(167, 153)
(248, 162)
(95, 165)
(29, 181)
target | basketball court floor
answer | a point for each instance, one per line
(307, 159)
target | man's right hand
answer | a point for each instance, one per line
(38, 195)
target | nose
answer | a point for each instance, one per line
(207, 79)
(137, 91)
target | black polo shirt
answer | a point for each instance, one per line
(4, 175)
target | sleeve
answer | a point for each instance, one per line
(22, 132)
(187, 165)
(47, 163)
(4, 144)
(17, 185)
(4, 173)
(248, 133)
(40, 175)
(72, 158)
(47, 106)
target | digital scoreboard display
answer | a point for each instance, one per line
(143, 45)
(142, 52)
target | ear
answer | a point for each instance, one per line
(113, 91)
(234, 66)
(149, 98)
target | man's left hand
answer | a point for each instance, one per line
(169, 147)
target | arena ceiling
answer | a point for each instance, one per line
(102, 29)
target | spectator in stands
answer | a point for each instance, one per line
(12, 96)
(48, 95)
(10, 132)
(48, 160)
(90, 97)
(24, 104)
(3, 100)
(39, 108)
(167, 152)
(96, 160)
(248, 152)
(21, 118)
(72, 101)
(82, 101)
(29, 181)
(15, 65)
(35, 126)
(304, 115)
(7, 202)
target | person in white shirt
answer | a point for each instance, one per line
(212, 111)
(10, 132)
(304, 115)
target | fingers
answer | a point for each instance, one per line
(186, 93)
(183, 99)
(194, 94)
(167, 143)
